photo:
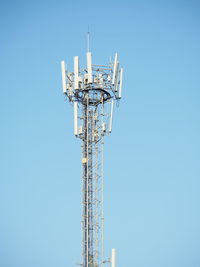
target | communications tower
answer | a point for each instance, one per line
(93, 90)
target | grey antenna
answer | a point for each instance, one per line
(120, 83)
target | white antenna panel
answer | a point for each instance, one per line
(64, 82)
(115, 69)
(76, 73)
(76, 118)
(113, 257)
(120, 83)
(111, 116)
(89, 66)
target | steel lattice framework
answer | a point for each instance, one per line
(93, 91)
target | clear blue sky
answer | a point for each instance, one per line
(152, 172)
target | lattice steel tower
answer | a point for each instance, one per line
(93, 91)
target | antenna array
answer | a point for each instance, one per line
(93, 91)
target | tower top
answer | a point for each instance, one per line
(92, 86)
(103, 82)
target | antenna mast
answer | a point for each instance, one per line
(93, 91)
(88, 40)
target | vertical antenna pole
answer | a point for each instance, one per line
(88, 39)
(113, 258)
